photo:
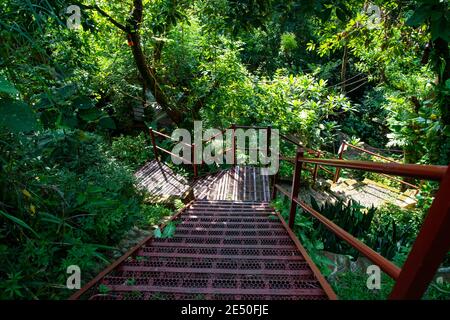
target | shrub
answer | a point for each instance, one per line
(353, 286)
(288, 43)
(352, 217)
(393, 229)
(369, 120)
(153, 214)
(132, 151)
(308, 235)
(63, 202)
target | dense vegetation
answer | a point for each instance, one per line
(319, 70)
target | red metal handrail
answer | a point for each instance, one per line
(156, 148)
(426, 172)
(387, 266)
(341, 156)
(215, 136)
(170, 138)
(430, 246)
(126, 255)
(433, 241)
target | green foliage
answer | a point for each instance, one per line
(393, 229)
(353, 286)
(133, 151)
(168, 231)
(304, 229)
(64, 202)
(402, 63)
(152, 215)
(67, 196)
(350, 216)
(7, 87)
(247, 14)
(389, 230)
(15, 115)
(426, 195)
(103, 289)
(288, 43)
(436, 14)
(300, 105)
(368, 120)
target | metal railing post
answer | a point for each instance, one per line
(275, 177)
(274, 188)
(316, 168)
(295, 186)
(233, 143)
(193, 160)
(341, 156)
(429, 250)
(155, 150)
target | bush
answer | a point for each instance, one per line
(153, 214)
(132, 151)
(369, 121)
(308, 235)
(352, 217)
(63, 202)
(389, 229)
(353, 286)
(288, 43)
(394, 229)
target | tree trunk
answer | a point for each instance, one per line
(344, 69)
(148, 73)
(443, 71)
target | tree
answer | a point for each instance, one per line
(148, 73)
(435, 15)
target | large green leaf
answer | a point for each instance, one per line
(17, 116)
(65, 92)
(91, 114)
(7, 87)
(83, 103)
(69, 121)
(107, 123)
(169, 230)
(157, 233)
(419, 17)
(44, 102)
(440, 29)
(18, 221)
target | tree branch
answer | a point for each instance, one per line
(147, 73)
(107, 16)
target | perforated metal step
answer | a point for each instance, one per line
(220, 250)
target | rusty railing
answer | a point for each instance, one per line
(432, 242)
(342, 150)
(157, 148)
